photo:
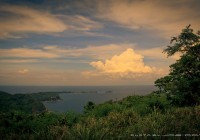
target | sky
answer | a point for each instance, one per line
(90, 42)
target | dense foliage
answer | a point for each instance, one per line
(20, 102)
(182, 85)
(150, 114)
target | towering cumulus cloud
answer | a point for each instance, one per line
(128, 63)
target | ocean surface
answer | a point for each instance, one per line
(81, 94)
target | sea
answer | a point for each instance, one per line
(80, 95)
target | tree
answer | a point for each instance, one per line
(182, 85)
(89, 106)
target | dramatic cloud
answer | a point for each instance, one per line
(28, 20)
(118, 63)
(127, 63)
(164, 17)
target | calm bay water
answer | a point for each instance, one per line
(81, 94)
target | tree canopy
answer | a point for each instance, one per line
(182, 85)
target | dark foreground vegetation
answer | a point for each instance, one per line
(173, 109)
(150, 114)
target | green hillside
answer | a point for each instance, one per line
(151, 114)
